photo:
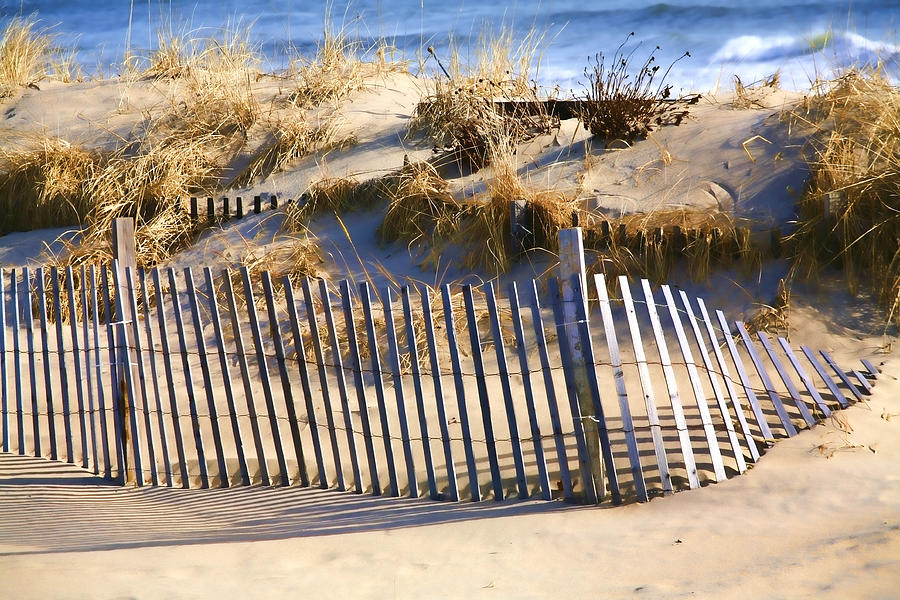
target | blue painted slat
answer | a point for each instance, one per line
(841, 375)
(789, 385)
(286, 388)
(471, 466)
(550, 392)
(428, 319)
(500, 351)
(872, 369)
(804, 377)
(484, 400)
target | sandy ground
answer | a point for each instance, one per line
(819, 516)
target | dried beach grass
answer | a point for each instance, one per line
(25, 53)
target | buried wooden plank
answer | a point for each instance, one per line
(829, 382)
(399, 395)
(767, 383)
(241, 355)
(684, 436)
(412, 348)
(45, 351)
(659, 446)
(323, 382)
(60, 357)
(377, 374)
(286, 388)
(471, 466)
(841, 375)
(4, 386)
(612, 344)
(714, 382)
(32, 365)
(712, 440)
(550, 392)
(338, 364)
(188, 379)
(135, 327)
(872, 369)
(782, 373)
(536, 438)
(500, 351)
(435, 365)
(761, 422)
(101, 404)
(154, 377)
(263, 369)
(300, 351)
(729, 382)
(591, 495)
(804, 377)
(85, 335)
(76, 354)
(356, 369)
(207, 378)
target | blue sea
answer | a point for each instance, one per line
(749, 38)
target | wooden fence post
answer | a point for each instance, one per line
(124, 257)
(573, 284)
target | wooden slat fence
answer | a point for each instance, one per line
(231, 378)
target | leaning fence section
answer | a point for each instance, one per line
(203, 378)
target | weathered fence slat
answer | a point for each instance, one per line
(536, 441)
(736, 449)
(425, 293)
(804, 377)
(841, 375)
(684, 436)
(323, 383)
(413, 350)
(872, 369)
(76, 354)
(290, 408)
(167, 364)
(115, 399)
(17, 366)
(188, 379)
(61, 358)
(612, 344)
(867, 388)
(712, 440)
(101, 395)
(767, 383)
(216, 318)
(45, 350)
(263, 369)
(475, 490)
(761, 422)
(207, 379)
(85, 335)
(659, 446)
(138, 347)
(4, 386)
(300, 350)
(568, 367)
(32, 366)
(481, 386)
(788, 384)
(399, 395)
(128, 394)
(500, 351)
(154, 379)
(823, 374)
(729, 383)
(362, 402)
(241, 354)
(338, 364)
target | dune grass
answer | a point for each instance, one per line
(28, 54)
(850, 213)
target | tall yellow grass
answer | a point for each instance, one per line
(25, 54)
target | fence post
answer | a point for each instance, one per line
(573, 289)
(124, 257)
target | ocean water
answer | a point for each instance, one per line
(748, 38)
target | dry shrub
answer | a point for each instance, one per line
(419, 207)
(25, 54)
(621, 105)
(850, 214)
(461, 113)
